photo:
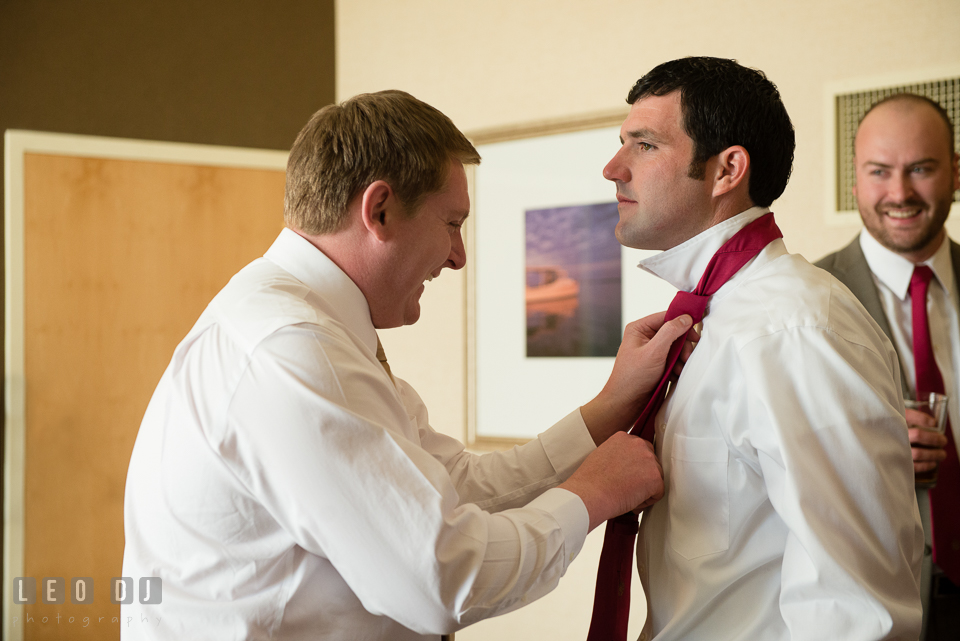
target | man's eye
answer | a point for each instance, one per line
(645, 146)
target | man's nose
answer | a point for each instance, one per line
(615, 170)
(458, 253)
(901, 187)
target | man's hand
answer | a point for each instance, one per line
(621, 475)
(926, 445)
(636, 372)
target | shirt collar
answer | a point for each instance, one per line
(682, 266)
(895, 271)
(301, 259)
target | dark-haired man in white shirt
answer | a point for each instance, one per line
(788, 511)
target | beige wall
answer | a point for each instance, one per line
(501, 62)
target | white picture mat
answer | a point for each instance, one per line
(519, 397)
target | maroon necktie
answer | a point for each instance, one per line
(945, 497)
(611, 602)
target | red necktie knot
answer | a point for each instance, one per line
(688, 303)
(922, 274)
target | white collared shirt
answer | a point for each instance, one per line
(283, 487)
(891, 274)
(789, 510)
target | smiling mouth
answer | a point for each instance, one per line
(903, 210)
(902, 214)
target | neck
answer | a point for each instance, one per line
(727, 207)
(726, 210)
(335, 247)
(347, 250)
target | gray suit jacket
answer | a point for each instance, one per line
(850, 267)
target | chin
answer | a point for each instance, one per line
(630, 240)
(620, 232)
(411, 316)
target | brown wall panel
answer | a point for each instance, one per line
(242, 73)
(120, 258)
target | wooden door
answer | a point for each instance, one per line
(119, 257)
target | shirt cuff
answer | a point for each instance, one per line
(570, 514)
(567, 443)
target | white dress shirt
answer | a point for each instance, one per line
(284, 487)
(789, 510)
(891, 274)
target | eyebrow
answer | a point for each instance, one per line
(646, 134)
(922, 161)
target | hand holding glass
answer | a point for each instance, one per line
(934, 405)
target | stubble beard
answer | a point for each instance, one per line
(926, 236)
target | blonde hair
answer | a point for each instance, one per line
(389, 136)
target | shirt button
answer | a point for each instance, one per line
(643, 636)
(641, 569)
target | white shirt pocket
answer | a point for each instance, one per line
(697, 497)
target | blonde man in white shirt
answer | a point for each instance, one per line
(788, 510)
(285, 485)
(906, 175)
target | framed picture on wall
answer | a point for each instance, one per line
(549, 287)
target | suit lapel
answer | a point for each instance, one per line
(852, 270)
(955, 262)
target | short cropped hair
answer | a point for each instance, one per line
(918, 99)
(725, 104)
(389, 136)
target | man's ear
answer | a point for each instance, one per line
(378, 204)
(731, 170)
